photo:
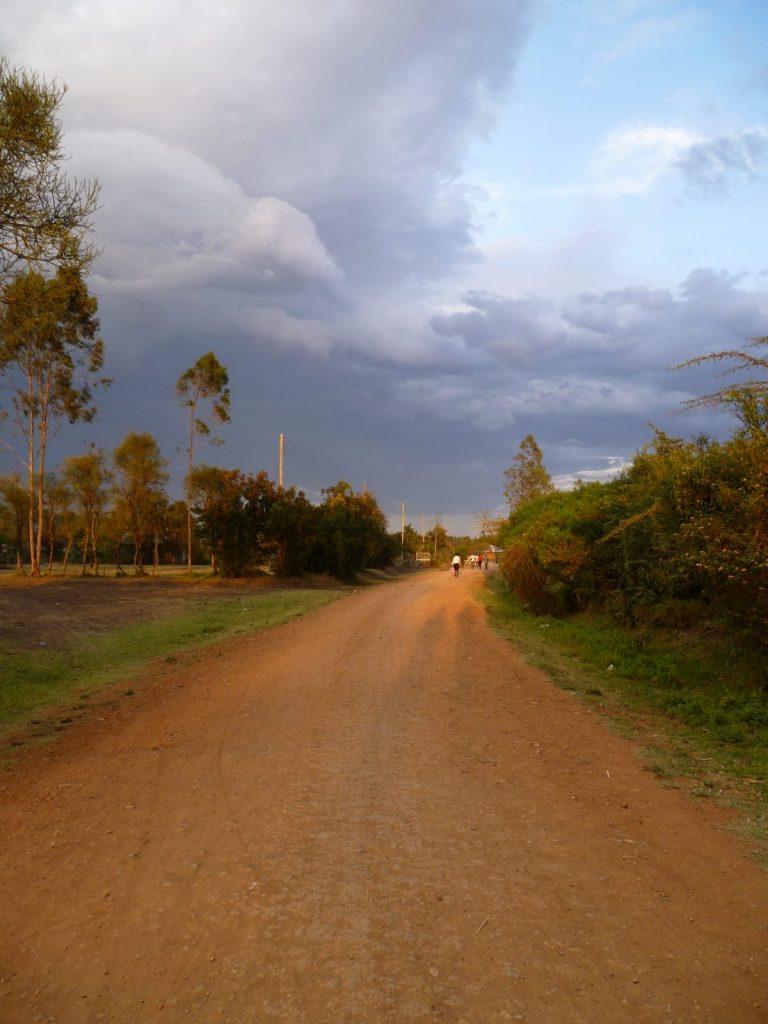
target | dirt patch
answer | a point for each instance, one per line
(55, 612)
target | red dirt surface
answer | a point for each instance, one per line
(374, 814)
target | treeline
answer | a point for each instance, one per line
(679, 539)
(100, 509)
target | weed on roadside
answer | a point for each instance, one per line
(688, 701)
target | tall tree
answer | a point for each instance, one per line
(204, 384)
(44, 215)
(526, 479)
(89, 478)
(48, 331)
(140, 473)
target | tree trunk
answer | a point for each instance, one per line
(19, 551)
(34, 567)
(94, 536)
(189, 484)
(138, 559)
(86, 542)
(65, 560)
(51, 540)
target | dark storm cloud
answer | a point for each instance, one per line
(358, 115)
(282, 183)
(597, 364)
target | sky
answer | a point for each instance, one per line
(415, 231)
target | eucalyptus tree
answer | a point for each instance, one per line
(527, 479)
(89, 478)
(203, 386)
(45, 215)
(50, 354)
(140, 472)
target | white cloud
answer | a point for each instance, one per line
(601, 474)
(630, 161)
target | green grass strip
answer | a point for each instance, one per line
(688, 699)
(35, 680)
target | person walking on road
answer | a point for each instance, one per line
(456, 563)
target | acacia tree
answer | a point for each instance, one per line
(44, 214)
(89, 478)
(48, 331)
(140, 472)
(742, 360)
(526, 479)
(204, 383)
(747, 399)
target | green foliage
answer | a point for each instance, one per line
(205, 382)
(685, 526)
(351, 533)
(89, 479)
(14, 512)
(292, 526)
(140, 474)
(48, 336)
(231, 511)
(44, 216)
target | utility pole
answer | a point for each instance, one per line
(402, 528)
(280, 463)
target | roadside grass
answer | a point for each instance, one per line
(687, 698)
(33, 682)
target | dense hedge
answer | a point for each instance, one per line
(682, 535)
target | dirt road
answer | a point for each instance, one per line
(374, 814)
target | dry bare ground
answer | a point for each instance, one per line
(377, 813)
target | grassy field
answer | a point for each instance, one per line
(686, 698)
(88, 648)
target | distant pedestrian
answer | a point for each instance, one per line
(479, 561)
(456, 563)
